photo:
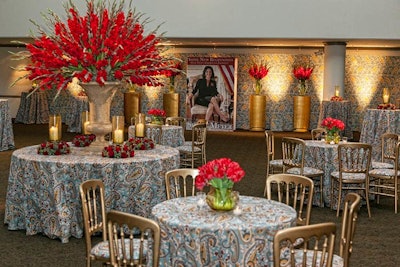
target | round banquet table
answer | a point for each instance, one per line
(43, 191)
(193, 236)
(172, 135)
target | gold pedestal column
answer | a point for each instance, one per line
(171, 104)
(132, 106)
(301, 113)
(258, 104)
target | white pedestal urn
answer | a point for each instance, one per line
(100, 97)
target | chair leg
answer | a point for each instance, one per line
(367, 200)
(332, 190)
(321, 184)
(339, 199)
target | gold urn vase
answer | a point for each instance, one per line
(132, 106)
(171, 104)
(258, 105)
(301, 113)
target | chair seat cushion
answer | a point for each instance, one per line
(349, 176)
(188, 148)
(102, 249)
(306, 171)
(198, 109)
(336, 262)
(276, 163)
(381, 165)
(383, 172)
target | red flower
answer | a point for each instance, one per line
(219, 173)
(332, 124)
(157, 112)
(106, 43)
(302, 73)
(258, 72)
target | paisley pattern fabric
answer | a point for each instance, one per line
(6, 130)
(172, 135)
(323, 156)
(102, 249)
(377, 122)
(336, 262)
(194, 236)
(33, 108)
(43, 191)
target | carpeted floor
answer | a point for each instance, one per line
(376, 243)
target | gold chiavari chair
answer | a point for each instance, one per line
(272, 164)
(181, 182)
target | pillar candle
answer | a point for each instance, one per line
(139, 130)
(53, 133)
(85, 124)
(118, 136)
(337, 90)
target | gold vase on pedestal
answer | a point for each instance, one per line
(131, 106)
(171, 104)
(258, 104)
(301, 113)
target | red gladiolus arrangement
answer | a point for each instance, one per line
(258, 72)
(220, 173)
(302, 74)
(157, 112)
(333, 125)
(105, 44)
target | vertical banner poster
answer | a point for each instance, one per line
(211, 93)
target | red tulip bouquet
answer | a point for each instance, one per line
(302, 73)
(258, 72)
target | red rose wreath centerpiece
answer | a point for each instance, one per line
(220, 174)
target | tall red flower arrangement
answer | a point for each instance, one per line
(104, 44)
(302, 73)
(258, 72)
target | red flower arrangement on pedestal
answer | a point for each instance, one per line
(258, 72)
(172, 73)
(302, 73)
(105, 44)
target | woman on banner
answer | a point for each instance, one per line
(205, 93)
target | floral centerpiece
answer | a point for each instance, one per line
(387, 106)
(54, 148)
(157, 115)
(258, 72)
(118, 151)
(140, 143)
(104, 44)
(82, 140)
(336, 98)
(220, 174)
(101, 47)
(332, 126)
(172, 73)
(302, 74)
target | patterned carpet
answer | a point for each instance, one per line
(376, 243)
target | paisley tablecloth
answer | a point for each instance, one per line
(43, 191)
(172, 135)
(33, 108)
(6, 130)
(203, 237)
(377, 122)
